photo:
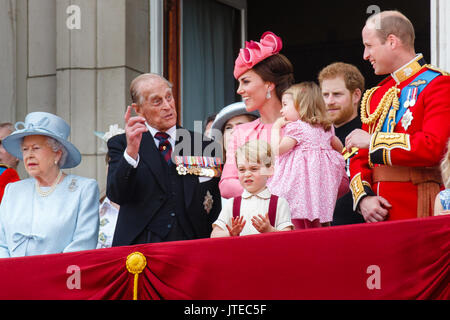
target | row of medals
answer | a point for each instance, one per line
(411, 101)
(198, 166)
(198, 171)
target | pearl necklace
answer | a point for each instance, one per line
(52, 187)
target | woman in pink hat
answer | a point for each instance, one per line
(263, 74)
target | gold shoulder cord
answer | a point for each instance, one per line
(434, 68)
(366, 117)
(389, 99)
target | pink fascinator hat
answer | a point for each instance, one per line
(255, 52)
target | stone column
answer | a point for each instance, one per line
(27, 59)
(76, 64)
(8, 27)
(41, 83)
(94, 66)
(440, 34)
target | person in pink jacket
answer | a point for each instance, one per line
(263, 74)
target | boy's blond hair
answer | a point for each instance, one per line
(257, 151)
(309, 103)
(445, 167)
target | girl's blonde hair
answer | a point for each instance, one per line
(445, 167)
(309, 103)
(256, 151)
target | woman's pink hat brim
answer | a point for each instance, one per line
(255, 52)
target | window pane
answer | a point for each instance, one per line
(210, 43)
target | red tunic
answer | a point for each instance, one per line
(9, 175)
(424, 145)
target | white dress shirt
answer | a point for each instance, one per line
(252, 205)
(108, 220)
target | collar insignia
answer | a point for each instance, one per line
(408, 71)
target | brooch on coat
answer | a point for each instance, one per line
(73, 185)
(208, 202)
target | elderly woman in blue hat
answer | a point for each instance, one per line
(50, 212)
(227, 119)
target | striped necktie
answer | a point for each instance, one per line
(165, 148)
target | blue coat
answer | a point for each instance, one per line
(66, 220)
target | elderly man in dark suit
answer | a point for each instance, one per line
(159, 203)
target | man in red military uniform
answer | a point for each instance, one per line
(405, 129)
(8, 163)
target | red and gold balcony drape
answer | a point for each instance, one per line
(391, 260)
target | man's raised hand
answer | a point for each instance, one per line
(134, 128)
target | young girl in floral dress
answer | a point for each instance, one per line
(310, 171)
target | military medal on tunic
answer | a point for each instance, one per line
(208, 202)
(407, 102)
(407, 119)
(182, 170)
(413, 101)
(199, 166)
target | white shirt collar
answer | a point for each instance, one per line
(264, 194)
(172, 132)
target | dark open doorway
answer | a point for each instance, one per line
(317, 33)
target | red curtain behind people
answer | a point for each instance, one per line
(390, 260)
